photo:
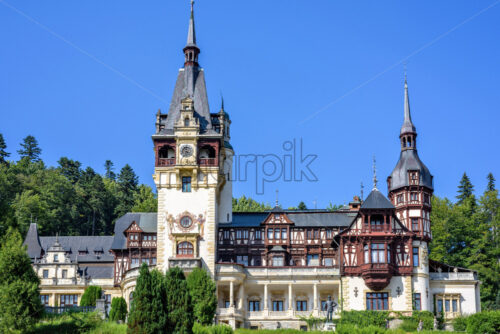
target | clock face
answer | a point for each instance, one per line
(186, 222)
(186, 151)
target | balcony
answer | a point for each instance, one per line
(207, 162)
(186, 264)
(453, 276)
(377, 275)
(164, 162)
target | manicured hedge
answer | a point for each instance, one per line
(487, 322)
(364, 318)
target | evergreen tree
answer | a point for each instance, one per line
(244, 204)
(29, 149)
(491, 182)
(91, 294)
(158, 302)
(141, 316)
(178, 303)
(20, 305)
(3, 146)
(465, 189)
(108, 165)
(70, 168)
(145, 200)
(202, 291)
(302, 206)
(127, 188)
(118, 309)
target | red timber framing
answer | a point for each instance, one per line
(278, 242)
(376, 247)
(208, 152)
(141, 247)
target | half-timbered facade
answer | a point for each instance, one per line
(271, 267)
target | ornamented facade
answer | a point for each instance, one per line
(271, 267)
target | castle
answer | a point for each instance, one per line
(270, 267)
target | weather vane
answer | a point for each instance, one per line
(374, 173)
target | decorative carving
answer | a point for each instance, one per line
(201, 225)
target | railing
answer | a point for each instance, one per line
(279, 314)
(185, 263)
(166, 162)
(255, 314)
(452, 276)
(63, 309)
(207, 162)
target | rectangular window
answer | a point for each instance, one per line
(56, 258)
(328, 262)
(68, 300)
(400, 199)
(309, 234)
(414, 224)
(377, 301)
(153, 261)
(328, 234)
(415, 257)
(45, 300)
(227, 304)
(414, 197)
(313, 260)
(253, 305)
(378, 253)
(257, 235)
(242, 260)
(226, 234)
(238, 234)
(278, 261)
(277, 305)
(447, 305)
(270, 233)
(186, 184)
(301, 305)
(276, 233)
(283, 234)
(65, 273)
(454, 304)
(256, 261)
(134, 263)
(45, 273)
(417, 302)
(316, 234)
(427, 199)
(440, 305)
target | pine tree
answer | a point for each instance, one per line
(70, 168)
(20, 305)
(141, 316)
(91, 294)
(158, 302)
(3, 146)
(202, 291)
(491, 182)
(178, 303)
(118, 309)
(302, 206)
(145, 200)
(108, 165)
(465, 189)
(127, 188)
(29, 149)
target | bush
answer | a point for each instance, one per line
(214, 329)
(118, 309)
(411, 323)
(202, 290)
(91, 294)
(364, 318)
(487, 322)
(460, 324)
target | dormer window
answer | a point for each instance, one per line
(56, 258)
(186, 120)
(400, 199)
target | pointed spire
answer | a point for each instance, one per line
(191, 40)
(407, 123)
(374, 173)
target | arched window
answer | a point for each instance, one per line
(207, 152)
(166, 152)
(186, 121)
(185, 249)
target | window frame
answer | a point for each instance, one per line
(377, 301)
(186, 184)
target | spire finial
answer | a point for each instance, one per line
(362, 188)
(408, 126)
(221, 101)
(374, 173)
(277, 193)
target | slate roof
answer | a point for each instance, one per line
(409, 160)
(73, 244)
(376, 200)
(96, 271)
(305, 218)
(147, 221)
(33, 242)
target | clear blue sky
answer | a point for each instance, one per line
(87, 77)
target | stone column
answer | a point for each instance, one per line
(315, 296)
(265, 298)
(241, 297)
(231, 294)
(290, 299)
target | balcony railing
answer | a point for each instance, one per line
(164, 162)
(207, 162)
(452, 276)
(185, 263)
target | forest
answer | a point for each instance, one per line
(71, 200)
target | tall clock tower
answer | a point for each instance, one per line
(193, 162)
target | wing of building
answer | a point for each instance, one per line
(270, 267)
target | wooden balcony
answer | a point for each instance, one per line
(207, 162)
(163, 162)
(377, 275)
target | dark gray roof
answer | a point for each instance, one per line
(306, 218)
(376, 200)
(409, 160)
(73, 244)
(147, 221)
(33, 242)
(96, 271)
